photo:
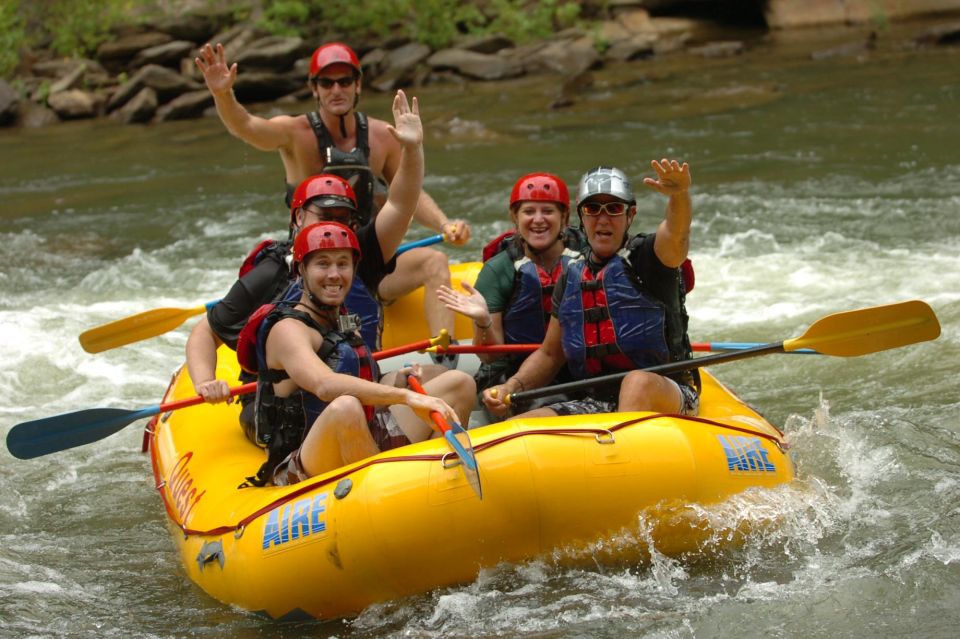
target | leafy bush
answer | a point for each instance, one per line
(436, 23)
(13, 38)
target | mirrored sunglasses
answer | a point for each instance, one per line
(613, 209)
(328, 83)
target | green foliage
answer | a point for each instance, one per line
(436, 23)
(13, 37)
(78, 27)
(285, 17)
(523, 21)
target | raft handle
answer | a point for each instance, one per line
(238, 533)
(455, 461)
(606, 437)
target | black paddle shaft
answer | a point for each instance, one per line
(662, 369)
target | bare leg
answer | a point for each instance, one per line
(649, 392)
(536, 412)
(454, 387)
(339, 436)
(422, 267)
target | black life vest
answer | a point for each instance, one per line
(281, 423)
(353, 166)
(263, 250)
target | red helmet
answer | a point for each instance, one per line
(325, 236)
(541, 187)
(333, 53)
(333, 189)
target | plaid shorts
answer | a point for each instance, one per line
(689, 404)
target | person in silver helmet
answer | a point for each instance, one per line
(620, 305)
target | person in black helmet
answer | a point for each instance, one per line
(620, 305)
(338, 139)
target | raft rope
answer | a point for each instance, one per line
(310, 485)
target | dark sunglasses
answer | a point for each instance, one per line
(344, 82)
(613, 209)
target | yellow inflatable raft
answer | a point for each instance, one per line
(406, 521)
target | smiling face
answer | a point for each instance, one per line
(328, 87)
(539, 223)
(606, 233)
(329, 275)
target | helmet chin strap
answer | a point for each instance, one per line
(343, 125)
(318, 307)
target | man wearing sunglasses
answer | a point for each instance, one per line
(620, 305)
(338, 139)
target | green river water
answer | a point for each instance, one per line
(819, 186)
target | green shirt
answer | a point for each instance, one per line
(495, 282)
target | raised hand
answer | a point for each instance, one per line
(472, 305)
(212, 62)
(672, 177)
(407, 129)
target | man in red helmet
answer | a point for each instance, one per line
(319, 405)
(336, 138)
(267, 272)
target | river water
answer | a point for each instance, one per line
(820, 186)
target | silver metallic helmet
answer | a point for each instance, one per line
(607, 180)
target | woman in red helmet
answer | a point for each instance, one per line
(512, 299)
(318, 404)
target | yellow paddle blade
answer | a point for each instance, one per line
(135, 328)
(869, 330)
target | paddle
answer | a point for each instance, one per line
(60, 432)
(138, 327)
(68, 430)
(158, 321)
(457, 438)
(529, 348)
(846, 334)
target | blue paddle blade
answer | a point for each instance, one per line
(60, 432)
(459, 440)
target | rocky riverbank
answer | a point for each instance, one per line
(149, 75)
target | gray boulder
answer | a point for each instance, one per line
(274, 53)
(479, 66)
(167, 83)
(490, 44)
(639, 45)
(188, 105)
(566, 57)
(9, 103)
(140, 108)
(398, 66)
(168, 54)
(124, 48)
(259, 86)
(34, 116)
(73, 104)
(194, 27)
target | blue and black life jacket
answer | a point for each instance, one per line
(611, 322)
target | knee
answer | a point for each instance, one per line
(463, 385)
(648, 391)
(436, 268)
(345, 413)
